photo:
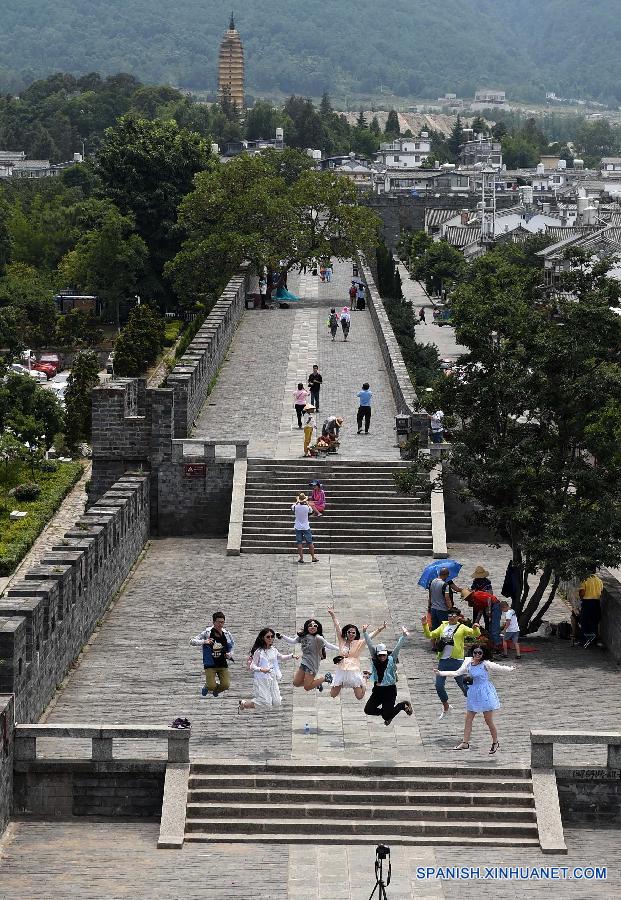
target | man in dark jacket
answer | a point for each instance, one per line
(217, 644)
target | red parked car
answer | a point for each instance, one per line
(51, 361)
(47, 367)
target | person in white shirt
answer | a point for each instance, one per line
(303, 533)
(263, 662)
(511, 631)
(436, 424)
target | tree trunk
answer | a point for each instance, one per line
(534, 600)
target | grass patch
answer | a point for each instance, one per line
(16, 538)
(172, 331)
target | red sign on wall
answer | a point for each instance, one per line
(195, 470)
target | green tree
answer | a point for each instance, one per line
(455, 140)
(29, 295)
(84, 377)
(262, 121)
(479, 125)
(11, 452)
(146, 168)
(518, 153)
(374, 127)
(139, 343)
(266, 208)
(440, 266)
(78, 328)
(107, 261)
(540, 383)
(392, 124)
(361, 121)
(6, 242)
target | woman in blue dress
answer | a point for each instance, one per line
(481, 696)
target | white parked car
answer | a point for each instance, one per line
(22, 370)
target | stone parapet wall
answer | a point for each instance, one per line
(48, 789)
(7, 744)
(133, 425)
(46, 618)
(400, 381)
(195, 371)
(610, 626)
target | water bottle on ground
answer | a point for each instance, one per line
(307, 729)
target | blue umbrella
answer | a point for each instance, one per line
(431, 571)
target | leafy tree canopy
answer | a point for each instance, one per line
(267, 208)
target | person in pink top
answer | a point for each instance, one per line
(348, 672)
(317, 499)
(300, 397)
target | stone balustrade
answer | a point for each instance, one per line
(102, 737)
(542, 745)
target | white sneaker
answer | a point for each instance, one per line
(444, 712)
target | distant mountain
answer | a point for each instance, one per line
(350, 47)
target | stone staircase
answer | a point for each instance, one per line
(359, 804)
(364, 514)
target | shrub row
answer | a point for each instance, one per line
(16, 538)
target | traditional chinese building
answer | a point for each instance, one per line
(231, 67)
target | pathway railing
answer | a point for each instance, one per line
(102, 738)
(542, 745)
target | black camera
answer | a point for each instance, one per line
(467, 679)
(382, 852)
(441, 643)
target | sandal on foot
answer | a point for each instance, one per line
(495, 746)
(462, 746)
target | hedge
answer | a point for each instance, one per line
(16, 538)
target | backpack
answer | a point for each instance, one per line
(333, 320)
(563, 630)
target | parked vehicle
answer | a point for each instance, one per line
(442, 315)
(22, 370)
(48, 369)
(52, 359)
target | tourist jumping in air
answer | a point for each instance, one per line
(217, 644)
(264, 662)
(384, 678)
(481, 696)
(348, 672)
(313, 645)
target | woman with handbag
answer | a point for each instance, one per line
(448, 640)
(481, 696)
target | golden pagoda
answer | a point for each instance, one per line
(231, 67)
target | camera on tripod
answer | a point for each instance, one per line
(382, 853)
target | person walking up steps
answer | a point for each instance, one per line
(313, 645)
(448, 640)
(314, 382)
(333, 323)
(384, 677)
(263, 662)
(303, 533)
(217, 644)
(345, 322)
(482, 696)
(364, 410)
(300, 399)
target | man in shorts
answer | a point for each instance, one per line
(303, 533)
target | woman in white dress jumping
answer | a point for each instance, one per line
(264, 662)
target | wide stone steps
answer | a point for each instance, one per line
(364, 514)
(356, 803)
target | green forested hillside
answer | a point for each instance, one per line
(351, 47)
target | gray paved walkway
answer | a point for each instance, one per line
(275, 349)
(428, 333)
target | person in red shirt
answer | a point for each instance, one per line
(488, 605)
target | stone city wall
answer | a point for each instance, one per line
(610, 627)
(46, 618)
(47, 789)
(589, 796)
(400, 381)
(133, 426)
(7, 744)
